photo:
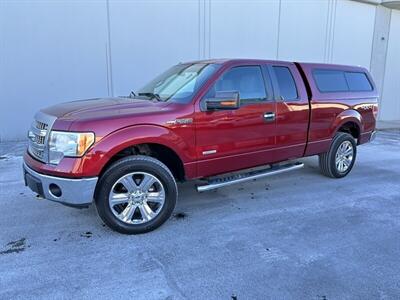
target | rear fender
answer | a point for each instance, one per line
(344, 117)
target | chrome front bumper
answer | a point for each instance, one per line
(68, 191)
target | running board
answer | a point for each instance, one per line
(238, 178)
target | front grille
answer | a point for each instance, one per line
(39, 139)
(39, 154)
(41, 125)
(38, 135)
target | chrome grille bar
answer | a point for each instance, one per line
(38, 136)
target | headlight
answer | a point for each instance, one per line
(72, 144)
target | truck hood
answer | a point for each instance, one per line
(100, 108)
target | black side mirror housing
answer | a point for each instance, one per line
(223, 100)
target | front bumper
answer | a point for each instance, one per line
(68, 191)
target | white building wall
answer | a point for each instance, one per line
(301, 37)
(390, 106)
(49, 53)
(353, 33)
(243, 29)
(54, 51)
(147, 37)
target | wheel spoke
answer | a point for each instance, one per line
(128, 183)
(347, 162)
(340, 150)
(147, 182)
(127, 213)
(157, 197)
(348, 151)
(119, 198)
(146, 212)
(344, 148)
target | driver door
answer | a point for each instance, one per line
(229, 140)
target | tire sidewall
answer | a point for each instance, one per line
(130, 165)
(335, 146)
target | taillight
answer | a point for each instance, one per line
(375, 111)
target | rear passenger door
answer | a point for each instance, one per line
(292, 110)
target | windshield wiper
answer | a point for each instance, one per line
(151, 95)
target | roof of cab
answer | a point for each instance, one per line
(251, 60)
(235, 60)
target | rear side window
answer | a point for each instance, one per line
(357, 81)
(287, 86)
(341, 81)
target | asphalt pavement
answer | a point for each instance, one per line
(298, 235)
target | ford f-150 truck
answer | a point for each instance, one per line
(217, 121)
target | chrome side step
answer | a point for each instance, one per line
(221, 182)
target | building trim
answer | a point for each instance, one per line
(387, 3)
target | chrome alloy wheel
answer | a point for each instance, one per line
(344, 156)
(137, 198)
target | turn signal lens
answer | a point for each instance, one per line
(85, 141)
(375, 111)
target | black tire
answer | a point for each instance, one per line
(327, 161)
(132, 164)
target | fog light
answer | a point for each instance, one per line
(55, 190)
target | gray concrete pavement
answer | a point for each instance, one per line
(293, 236)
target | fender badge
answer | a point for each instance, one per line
(180, 121)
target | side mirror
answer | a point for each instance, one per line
(223, 100)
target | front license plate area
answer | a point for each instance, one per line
(34, 184)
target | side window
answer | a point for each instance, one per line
(358, 82)
(287, 86)
(247, 80)
(330, 81)
(341, 81)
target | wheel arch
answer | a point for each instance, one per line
(159, 151)
(349, 121)
(155, 141)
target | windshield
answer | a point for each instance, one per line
(179, 83)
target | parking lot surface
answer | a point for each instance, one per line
(298, 235)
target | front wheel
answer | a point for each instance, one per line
(340, 158)
(136, 194)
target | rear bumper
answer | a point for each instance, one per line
(367, 137)
(68, 191)
(373, 136)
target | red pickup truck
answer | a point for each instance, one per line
(220, 121)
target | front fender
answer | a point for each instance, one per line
(98, 156)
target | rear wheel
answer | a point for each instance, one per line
(340, 158)
(136, 194)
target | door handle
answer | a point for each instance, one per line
(269, 116)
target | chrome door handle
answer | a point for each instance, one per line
(269, 116)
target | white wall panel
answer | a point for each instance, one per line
(302, 37)
(244, 29)
(390, 106)
(54, 51)
(50, 52)
(353, 33)
(149, 36)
